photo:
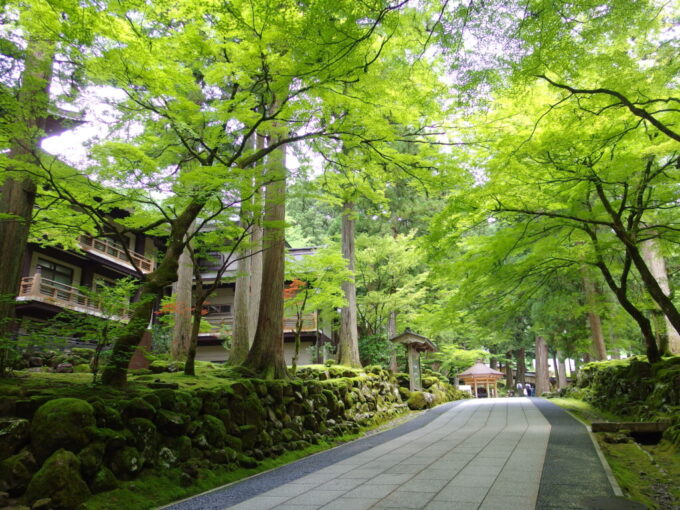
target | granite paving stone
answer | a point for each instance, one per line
(481, 454)
(371, 490)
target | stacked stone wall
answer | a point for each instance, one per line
(65, 449)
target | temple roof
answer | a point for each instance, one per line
(419, 342)
(479, 370)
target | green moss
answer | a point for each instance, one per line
(104, 480)
(59, 479)
(126, 463)
(61, 423)
(13, 435)
(418, 401)
(214, 431)
(16, 471)
(145, 437)
(90, 459)
(139, 408)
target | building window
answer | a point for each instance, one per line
(55, 272)
(218, 309)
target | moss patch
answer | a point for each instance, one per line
(61, 423)
(59, 479)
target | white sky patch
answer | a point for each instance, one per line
(73, 146)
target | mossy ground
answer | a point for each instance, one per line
(649, 474)
(79, 385)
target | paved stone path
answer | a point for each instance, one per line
(481, 454)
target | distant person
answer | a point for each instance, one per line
(530, 390)
(520, 389)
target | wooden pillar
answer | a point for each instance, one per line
(474, 381)
(488, 390)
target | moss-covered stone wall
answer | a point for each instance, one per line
(635, 388)
(66, 449)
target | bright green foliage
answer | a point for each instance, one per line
(569, 178)
(455, 360)
(323, 273)
(316, 286)
(390, 277)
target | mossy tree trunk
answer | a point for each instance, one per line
(115, 372)
(266, 358)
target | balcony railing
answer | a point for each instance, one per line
(224, 322)
(37, 288)
(110, 249)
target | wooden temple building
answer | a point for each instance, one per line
(482, 379)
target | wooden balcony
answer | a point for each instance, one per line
(37, 288)
(224, 322)
(109, 249)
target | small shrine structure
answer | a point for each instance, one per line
(415, 344)
(479, 375)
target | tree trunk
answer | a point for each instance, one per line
(597, 337)
(348, 349)
(391, 333)
(17, 192)
(265, 357)
(243, 330)
(256, 255)
(181, 331)
(493, 361)
(197, 316)
(521, 365)
(643, 322)
(542, 375)
(255, 280)
(657, 265)
(629, 240)
(115, 373)
(240, 335)
(562, 372)
(509, 381)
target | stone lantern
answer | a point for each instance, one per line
(415, 344)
